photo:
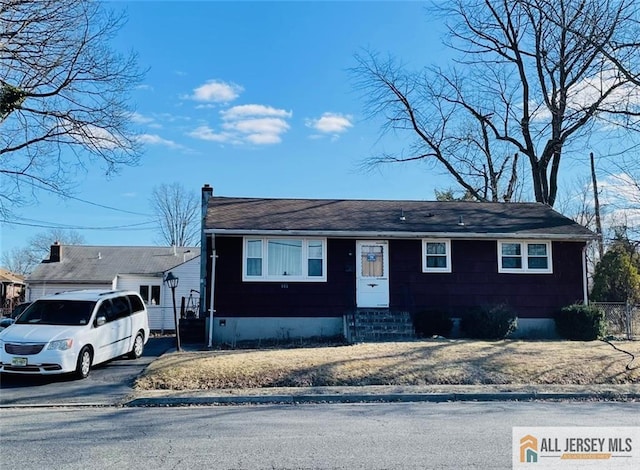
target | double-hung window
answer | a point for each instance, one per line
(284, 259)
(150, 294)
(532, 257)
(436, 256)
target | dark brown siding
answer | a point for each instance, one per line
(475, 281)
(233, 297)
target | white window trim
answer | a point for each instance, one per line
(147, 300)
(265, 261)
(525, 258)
(425, 268)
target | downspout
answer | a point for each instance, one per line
(207, 192)
(212, 290)
(585, 281)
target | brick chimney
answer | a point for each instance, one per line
(56, 252)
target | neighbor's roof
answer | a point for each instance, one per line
(340, 217)
(11, 278)
(101, 264)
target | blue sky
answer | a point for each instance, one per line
(253, 98)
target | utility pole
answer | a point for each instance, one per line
(596, 203)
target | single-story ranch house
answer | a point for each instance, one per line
(138, 268)
(289, 268)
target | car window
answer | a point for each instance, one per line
(106, 310)
(19, 309)
(121, 307)
(57, 312)
(136, 303)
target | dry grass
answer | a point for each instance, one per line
(409, 363)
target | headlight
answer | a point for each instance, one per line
(61, 345)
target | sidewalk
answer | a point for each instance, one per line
(381, 393)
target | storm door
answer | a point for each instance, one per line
(372, 274)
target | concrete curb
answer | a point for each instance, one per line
(371, 398)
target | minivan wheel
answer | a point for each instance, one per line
(138, 347)
(84, 363)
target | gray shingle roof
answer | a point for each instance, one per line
(248, 215)
(10, 278)
(100, 264)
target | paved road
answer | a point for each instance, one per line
(390, 436)
(108, 384)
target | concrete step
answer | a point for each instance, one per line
(379, 325)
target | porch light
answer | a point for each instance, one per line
(171, 280)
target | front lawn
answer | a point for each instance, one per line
(426, 362)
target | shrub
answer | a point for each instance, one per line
(432, 322)
(489, 322)
(580, 322)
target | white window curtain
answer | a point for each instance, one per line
(285, 257)
(436, 255)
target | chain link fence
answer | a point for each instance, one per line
(623, 320)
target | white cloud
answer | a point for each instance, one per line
(588, 91)
(620, 189)
(154, 139)
(206, 133)
(254, 124)
(620, 199)
(246, 110)
(261, 125)
(216, 91)
(259, 131)
(92, 136)
(331, 123)
(263, 139)
(140, 119)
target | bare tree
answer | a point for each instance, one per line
(64, 95)
(24, 259)
(534, 76)
(18, 261)
(178, 212)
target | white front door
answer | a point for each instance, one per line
(372, 274)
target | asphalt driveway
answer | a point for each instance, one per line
(108, 383)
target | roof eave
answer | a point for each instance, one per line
(405, 234)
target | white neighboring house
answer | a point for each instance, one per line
(138, 268)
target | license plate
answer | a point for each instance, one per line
(19, 361)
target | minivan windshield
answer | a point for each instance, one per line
(58, 312)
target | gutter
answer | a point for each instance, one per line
(406, 235)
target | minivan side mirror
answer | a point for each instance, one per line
(101, 320)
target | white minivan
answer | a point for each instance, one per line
(73, 331)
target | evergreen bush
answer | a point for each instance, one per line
(489, 322)
(428, 323)
(580, 322)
